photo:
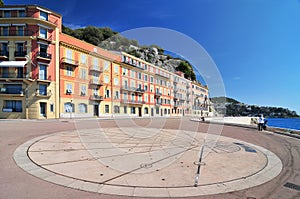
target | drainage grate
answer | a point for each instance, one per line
(292, 186)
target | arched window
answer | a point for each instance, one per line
(69, 107)
(82, 108)
(146, 111)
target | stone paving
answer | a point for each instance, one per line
(147, 162)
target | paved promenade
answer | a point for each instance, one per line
(143, 158)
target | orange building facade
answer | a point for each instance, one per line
(47, 74)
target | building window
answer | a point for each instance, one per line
(5, 31)
(125, 71)
(83, 59)
(151, 79)
(96, 62)
(82, 108)
(69, 89)
(43, 15)
(157, 110)
(43, 33)
(43, 107)
(43, 89)
(21, 13)
(107, 94)
(69, 107)
(146, 110)
(12, 106)
(106, 108)
(125, 109)
(106, 66)
(145, 87)
(132, 110)
(106, 79)
(51, 107)
(69, 70)
(83, 90)
(43, 72)
(116, 109)
(19, 49)
(146, 77)
(132, 74)
(6, 13)
(43, 50)
(20, 30)
(95, 91)
(83, 74)
(117, 95)
(116, 81)
(116, 69)
(69, 54)
(140, 75)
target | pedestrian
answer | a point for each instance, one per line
(261, 122)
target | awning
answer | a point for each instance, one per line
(13, 63)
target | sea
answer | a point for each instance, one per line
(286, 123)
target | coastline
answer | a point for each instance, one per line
(248, 122)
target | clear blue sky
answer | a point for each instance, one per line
(254, 43)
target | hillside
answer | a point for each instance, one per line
(111, 40)
(236, 108)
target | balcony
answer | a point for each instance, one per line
(96, 97)
(133, 89)
(4, 54)
(12, 92)
(12, 75)
(134, 102)
(44, 55)
(96, 82)
(17, 33)
(96, 68)
(69, 61)
(158, 94)
(43, 95)
(158, 104)
(20, 53)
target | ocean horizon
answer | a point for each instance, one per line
(286, 123)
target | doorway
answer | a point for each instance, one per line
(43, 106)
(152, 112)
(140, 112)
(96, 110)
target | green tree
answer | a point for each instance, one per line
(1, 3)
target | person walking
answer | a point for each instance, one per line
(261, 122)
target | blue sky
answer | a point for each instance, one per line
(254, 43)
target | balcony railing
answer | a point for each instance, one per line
(96, 82)
(20, 53)
(44, 55)
(96, 68)
(17, 33)
(158, 94)
(48, 94)
(139, 102)
(12, 91)
(133, 89)
(66, 60)
(12, 75)
(96, 97)
(4, 53)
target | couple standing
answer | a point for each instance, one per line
(262, 123)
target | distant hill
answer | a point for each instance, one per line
(232, 107)
(111, 40)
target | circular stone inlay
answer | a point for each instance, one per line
(147, 163)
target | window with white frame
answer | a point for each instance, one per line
(106, 79)
(146, 77)
(106, 66)
(83, 73)
(125, 71)
(116, 81)
(116, 69)
(43, 33)
(96, 62)
(69, 107)
(83, 59)
(69, 54)
(43, 89)
(83, 90)
(44, 15)
(69, 88)
(106, 108)
(132, 74)
(69, 71)
(82, 108)
(140, 75)
(42, 72)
